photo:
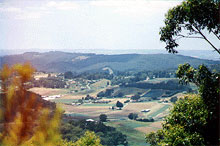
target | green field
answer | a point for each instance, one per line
(64, 100)
(77, 115)
(100, 84)
(134, 137)
(158, 80)
(165, 107)
(97, 104)
(154, 93)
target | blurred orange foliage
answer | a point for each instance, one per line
(25, 121)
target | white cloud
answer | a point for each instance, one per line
(62, 5)
(35, 10)
(29, 15)
(136, 7)
(10, 9)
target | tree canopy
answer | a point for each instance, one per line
(193, 120)
(184, 125)
(119, 104)
(194, 16)
(103, 117)
(208, 84)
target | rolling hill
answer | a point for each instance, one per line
(55, 61)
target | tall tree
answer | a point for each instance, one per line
(194, 120)
(194, 16)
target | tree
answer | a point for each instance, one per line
(103, 117)
(119, 104)
(89, 139)
(136, 97)
(25, 120)
(120, 94)
(109, 136)
(195, 119)
(208, 84)
(68, 75)
(173, 99)
(101, 94)
(194, 16)
(184, 125)
(197, 115)
(133, 116)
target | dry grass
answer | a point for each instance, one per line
(40, 75)
(145, 129)
(150, 128)
(157, 124)
(47, 91)
(95, 111)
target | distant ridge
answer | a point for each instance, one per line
(57, 61)
(202, 54)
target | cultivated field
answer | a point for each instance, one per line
(135, 130)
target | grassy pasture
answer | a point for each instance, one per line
(58, 100)
(48, 91)
(158, 80)
(128, 127)
(100, 84)
(129, 90)
(154, 93)
(160, 110)
(98, 104)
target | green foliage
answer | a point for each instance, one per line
(103, 117)
(107, 93)
(208, 84)
(50, 82)
(68, 75)
(50, 62)
(133, 116)
(173, 99)
(154, 138)
(185, 124)
(195, 117)
(73, 130)
(120, 94)
(119, 104)
(24, 117)
(89, 139)
(165, 85)
(136, 97)
(193, 16)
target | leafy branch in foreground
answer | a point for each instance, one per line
(193, 120)
(26, 119)
(184, 125)
(192, 17)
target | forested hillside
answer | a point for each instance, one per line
(81, 62)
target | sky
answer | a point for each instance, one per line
(86, 24)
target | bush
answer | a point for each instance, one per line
(103, 117)
(133, 116)
(119, 104)
(145, 120)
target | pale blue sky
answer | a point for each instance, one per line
(85, 24)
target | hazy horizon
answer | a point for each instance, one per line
(202, 54)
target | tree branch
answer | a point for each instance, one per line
(207, 39)
(215, 34)
(196, 37)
